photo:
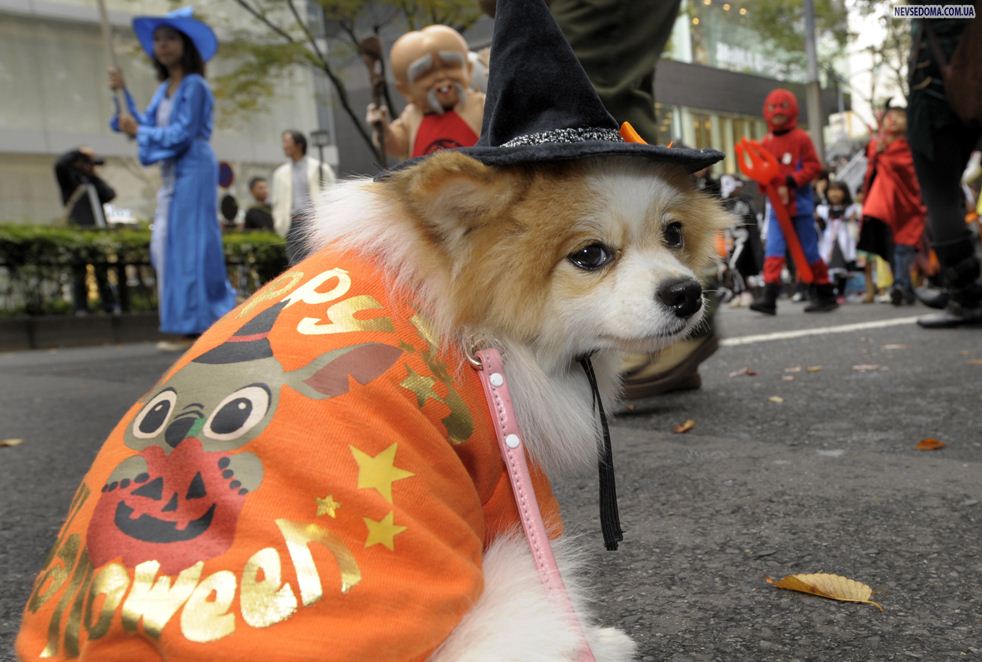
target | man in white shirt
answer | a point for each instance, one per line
(295, 184)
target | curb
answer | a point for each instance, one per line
(52, 331)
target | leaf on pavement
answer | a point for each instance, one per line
(865, 367)
(744, 372)
(682, 428)
(814, 368)
(929, 444)
(7, 443)
(826, 585)
(776, 399)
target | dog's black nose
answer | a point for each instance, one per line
(683, 297)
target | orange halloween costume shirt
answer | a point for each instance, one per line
(312, 479)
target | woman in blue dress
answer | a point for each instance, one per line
(186, 245)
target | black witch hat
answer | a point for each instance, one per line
(541, 106)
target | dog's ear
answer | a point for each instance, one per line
(453, 194)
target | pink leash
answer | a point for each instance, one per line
(512, 448)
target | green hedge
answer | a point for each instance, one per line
(37, 263)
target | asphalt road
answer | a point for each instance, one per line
(826, 480)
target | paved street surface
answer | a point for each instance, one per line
(826, 480)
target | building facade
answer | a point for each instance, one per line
(712, 79)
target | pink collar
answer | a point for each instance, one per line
(490, 369)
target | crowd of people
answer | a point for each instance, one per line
(837, 244)
(874, 239)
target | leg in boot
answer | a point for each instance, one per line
(870, 295)
(824, 300)
(961, 270)
(767, 303)
(903, 288)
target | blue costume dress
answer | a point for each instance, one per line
(186, 248)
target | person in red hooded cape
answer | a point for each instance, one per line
(799, 165)
(893, 211)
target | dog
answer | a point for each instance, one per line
(318, 475)
(548, 263)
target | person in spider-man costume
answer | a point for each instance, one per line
(799, 165)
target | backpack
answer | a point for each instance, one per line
(962, 74)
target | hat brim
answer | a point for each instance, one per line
(690, 159)
(200, 34)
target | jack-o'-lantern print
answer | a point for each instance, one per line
(177, 501)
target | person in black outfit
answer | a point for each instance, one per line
(746, 256)
(83, 193)
(942, 143)
(260, 215)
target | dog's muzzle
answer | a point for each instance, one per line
(683, 297)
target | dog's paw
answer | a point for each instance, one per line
(611, 645)
(242, 471)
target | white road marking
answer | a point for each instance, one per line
(820, 331)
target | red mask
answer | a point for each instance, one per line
(781, 102)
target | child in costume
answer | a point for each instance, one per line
(799, 165)
(745, 253)
(840, 217)
(893, 212)
(433, 72)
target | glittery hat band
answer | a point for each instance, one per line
(567, 136)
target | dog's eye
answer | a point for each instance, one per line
(673, 235)
(592, 257)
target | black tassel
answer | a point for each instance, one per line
(610, 519)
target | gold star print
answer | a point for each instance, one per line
(421, 385)
(383, 532)
(379, 472)
(327, 506)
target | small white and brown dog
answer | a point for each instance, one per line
(548, 263)
(319, 477)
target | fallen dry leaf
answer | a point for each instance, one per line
(6, 443)
(895, 346)
(834, 587)
(682, 428)
(797, 368)
(787, 378)
(814, 368)
(776, 399)
(865, 367)
(744, 372)
(974, 362)
(929, 444)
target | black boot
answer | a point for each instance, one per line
(824, 300)
(767, 303)
(961, 276)
(933, 297)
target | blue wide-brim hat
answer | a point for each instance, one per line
(182, 20)
(541, 107)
